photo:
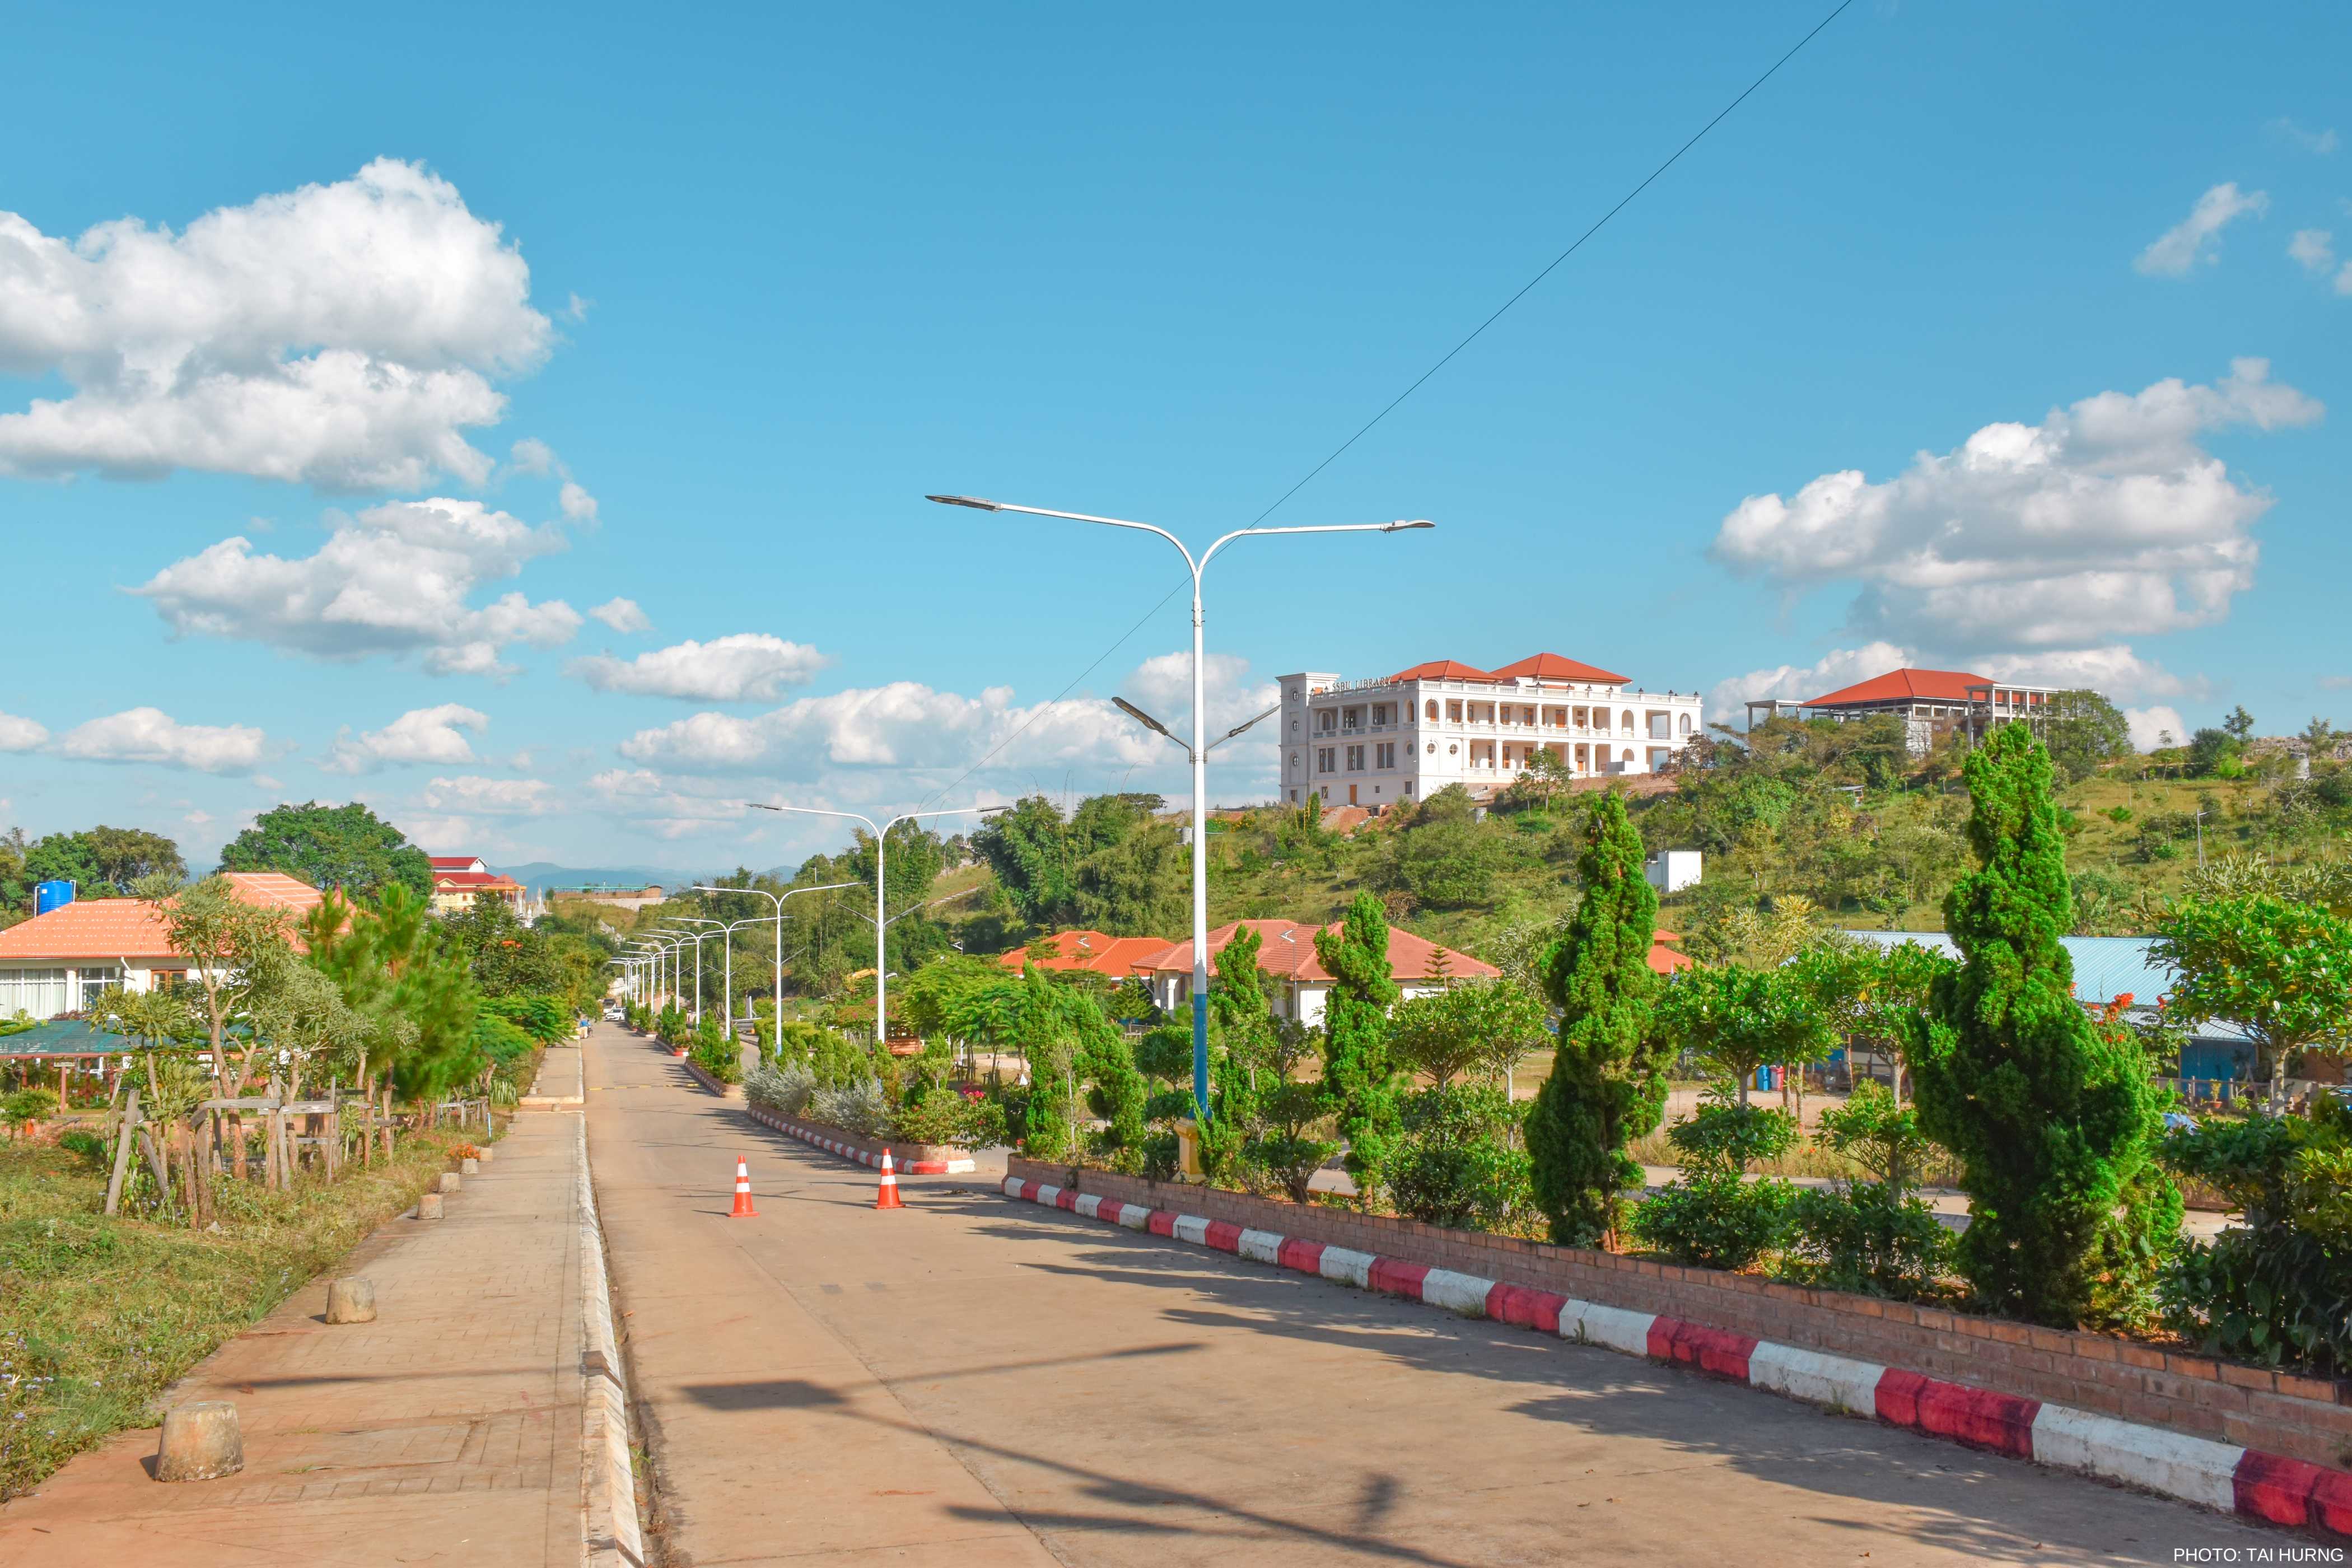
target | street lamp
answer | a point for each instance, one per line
(697, 921)
(778, 918)
(659, 949)
(881, 847)
(1198, 751)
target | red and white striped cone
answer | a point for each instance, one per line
(888, 1198)
(742, 1209)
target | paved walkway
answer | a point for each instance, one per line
(975, 1382)
(449, 1430)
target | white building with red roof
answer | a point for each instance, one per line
(1298, 983)
(1094, 951)
(459, 879)
(1930, 702)
(1405, 736)
(64, 960)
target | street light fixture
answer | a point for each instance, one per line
(697, 921)
(1198, 751)
(881, 849)
(777, 899)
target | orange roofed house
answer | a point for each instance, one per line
(459, 879)
(1113, 957)
(1405, 736)
(64, 960)
(1299, 983)
(1930, 702)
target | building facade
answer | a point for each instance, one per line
(1403, 737)
(1297, 983)
(459, 879)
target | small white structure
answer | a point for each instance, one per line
(1405, 736)
(1672, 870)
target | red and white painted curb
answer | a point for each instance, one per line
(956, 1167)
(2224, 1475)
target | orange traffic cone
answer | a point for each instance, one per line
(742, 1209)
(888, 1198)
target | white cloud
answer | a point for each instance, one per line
(576, 309)
(533, 456)
(748, 664)
(2114, 671)
(151, 735)
(577, 503)
(668, 809)
(623, 616)
(2176, 251)
(395, 579)
(2313, 250)
(420, 735)
(2106, 520)
(2322, 142)
(472, 794)
(341, 335)
(1801, 682)
(20, 734)
(2149, 726)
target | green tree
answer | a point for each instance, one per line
(2281, 970)
(1608, 1082)
(126, 853)
(1359, 1081)
(67, 858)
(1478, 1029)
(1137, 887)
(345, 846)
(1738, 1019)
(2054, 1121)
(2240, 725)
(2085, 732)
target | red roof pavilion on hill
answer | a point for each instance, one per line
(1904, 686)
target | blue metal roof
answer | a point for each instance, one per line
(64, 1037)
(2105, 967)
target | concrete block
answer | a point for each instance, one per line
(485, 1154)
(451, 1182)
(200, 1443)
(350, 1300)
(468, 1165)
(429, 1206)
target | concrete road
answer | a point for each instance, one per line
(975, 1382)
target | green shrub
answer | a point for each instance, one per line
(90, 1147)
(1867, 1238)
(544, 1019)
(1726, 1139)
(2277, 1288)
(1715, 1220)
(1457, 1162)
(783, 1090)
(27, 1105)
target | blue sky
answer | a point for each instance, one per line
(2065, 287)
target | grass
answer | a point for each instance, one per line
(97, 1317)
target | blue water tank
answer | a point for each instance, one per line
(47, 895)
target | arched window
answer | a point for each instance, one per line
(1431, 710)
(1686, 727)
(1626, 721)
(1628, 756)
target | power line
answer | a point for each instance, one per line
(1447, 358)
(1528, 287)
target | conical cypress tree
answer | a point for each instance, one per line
(1608, 1083)
(1357, 1075)
(2053, 1120)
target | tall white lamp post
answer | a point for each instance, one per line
(777, 899)
(881, 847)
(697, 936)
(1199, 750)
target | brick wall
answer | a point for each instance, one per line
(2302, 1417)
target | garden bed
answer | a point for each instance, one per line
(2303, 1418)
(909, 1159)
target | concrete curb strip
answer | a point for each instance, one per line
(608, 1502)
(956, 1167)
(2222, 1475)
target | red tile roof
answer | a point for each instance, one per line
(1287, 950)
(1905, 685)
(453, 862)
(1552, 667)
(1092, 951)
(1443, 670)
(472, 881)
(110, 929)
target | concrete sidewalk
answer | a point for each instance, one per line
(449, 1430)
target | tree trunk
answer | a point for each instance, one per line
(130, 1130)
(159, 1165)
(236, 1145)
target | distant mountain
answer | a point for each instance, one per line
(539, 874)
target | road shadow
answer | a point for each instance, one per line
(1987, 1507)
